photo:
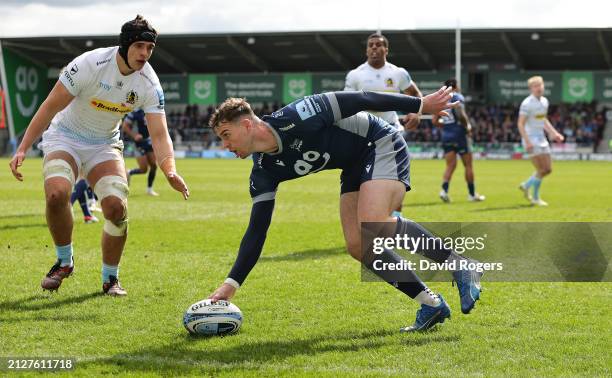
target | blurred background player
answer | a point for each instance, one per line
(80, 193)
(83, 110)
(456, 139)
(379, 75)
(532, 122)
(146, 160)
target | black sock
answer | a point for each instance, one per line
(409, 283)
(445, 185)
(151, 176)
(471, 188)
(436, 252)
(135, 171)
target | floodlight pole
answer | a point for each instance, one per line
(458, 54)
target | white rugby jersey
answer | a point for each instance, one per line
(388, 78)
(103, 95)
(536, 111)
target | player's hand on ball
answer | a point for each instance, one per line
(411, 121)
(224, 292)
(436, 102)
(178, 184)
(15, 163)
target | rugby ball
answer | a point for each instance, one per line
(207, 318)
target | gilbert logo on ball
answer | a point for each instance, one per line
(208, 318)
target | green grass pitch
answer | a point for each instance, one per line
(306, 311)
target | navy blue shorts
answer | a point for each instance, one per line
(459, 145)
(144, 146)
(386, 158)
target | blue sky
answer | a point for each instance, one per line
(60, 17)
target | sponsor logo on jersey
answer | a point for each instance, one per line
(105, 86)
(277, 114)
(103, 62)
(67, 76)
(287, 128)
(119, 84)
(540, 116)
(131, 97)
(296, 145)
(107, 106)
(74, 69)
(305, 109)
(259, 161)
(389, 83)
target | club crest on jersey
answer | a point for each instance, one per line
(296, 145)
(131, 97)
(107, 106)
(389, 83)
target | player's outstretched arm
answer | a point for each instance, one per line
(249, 252)
(164, 152)
(351, 103)
(56, 101)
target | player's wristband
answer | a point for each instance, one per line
(420, 113)
(232, 282)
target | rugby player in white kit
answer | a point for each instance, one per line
(379, 75)
(532, 122)
(92, 94)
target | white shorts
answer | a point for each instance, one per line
(86, 156)
(540, 145)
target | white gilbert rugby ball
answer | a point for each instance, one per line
(207, 318)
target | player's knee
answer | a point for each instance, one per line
(547, 171)
(58, 168)
(112, 191)
(57, 197)
(114, 209)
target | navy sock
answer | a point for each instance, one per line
(435, 252)
(151, 176)
(410, 283)
(135, 171)
(78, 191)
(445, 186)
(84, 207)
(471, 188)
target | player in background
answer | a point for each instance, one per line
(83, 109)
(330, 131)
(456, 140)
(142, 140)
(79, 193)
(379, 75)
(532, 122)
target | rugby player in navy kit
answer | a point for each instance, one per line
(330, 131)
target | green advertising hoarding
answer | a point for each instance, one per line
(175, 88)
(512, 86)
(328, 82)
(429, 82)
(25, 87)
(603, 86)
(203, 89)
(578, 86)
(255, 88)
(296, 86)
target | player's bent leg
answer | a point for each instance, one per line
(466, 158)
(350, 224)
(59, 171)
(112, 190)
(542, 164)
(451, 163)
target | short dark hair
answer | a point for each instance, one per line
(379, 35)
(230, 110)
(451, 83)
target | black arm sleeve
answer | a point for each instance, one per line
(253, 240)
(351, 102)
